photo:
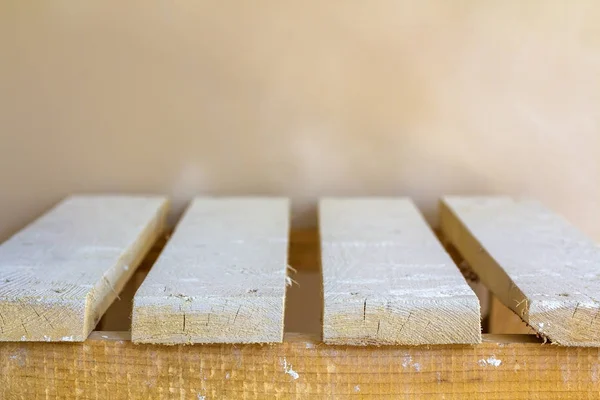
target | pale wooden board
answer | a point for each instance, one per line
(109, 366)
(534, 261)
(388, 280)
(59, 274)
(221, 277)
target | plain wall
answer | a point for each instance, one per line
(302, 98)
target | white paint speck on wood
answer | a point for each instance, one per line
(492, 360)
(221, 277)
(60, 274)
(533, 260)
(388, 280)
(287, 368)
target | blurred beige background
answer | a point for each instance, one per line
(302, 98)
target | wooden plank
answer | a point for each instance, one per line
(221, 277)
(303, 302)
(110, 366)
(535, 262)
(388, 280)
(60, 274)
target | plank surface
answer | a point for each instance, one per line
(535, 262)
(59, 274)
(388, 280)
(108, 366)
(221, 277)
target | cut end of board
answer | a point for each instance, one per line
(579, 323)
(187, 320)
(360, 322)
(37, 320)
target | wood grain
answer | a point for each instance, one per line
(110, 366)
(60, 274)
(534, 262)
(221, 277)
(388, 280)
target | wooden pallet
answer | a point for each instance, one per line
(109, 365)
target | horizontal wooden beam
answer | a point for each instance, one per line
(108, 364)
